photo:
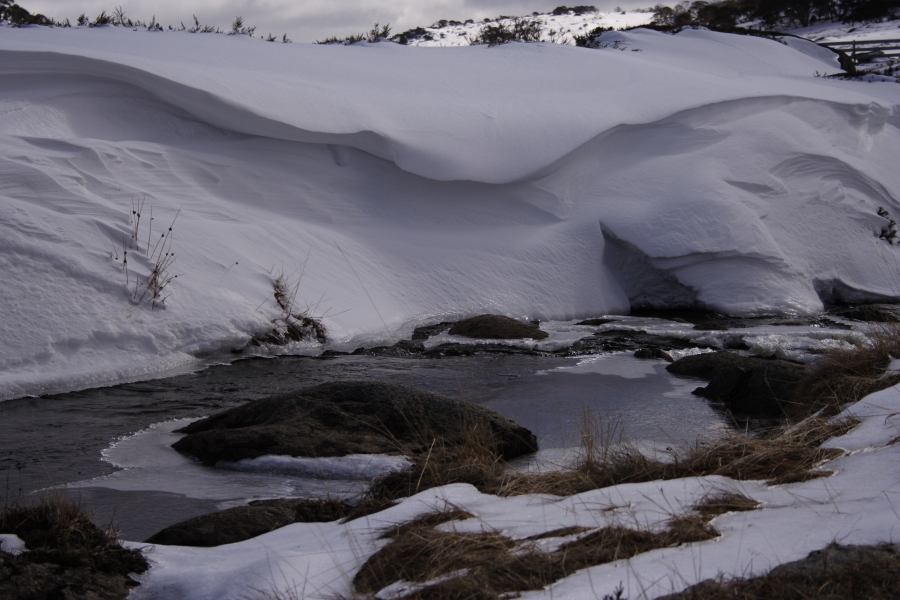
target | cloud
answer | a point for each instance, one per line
(311, 19)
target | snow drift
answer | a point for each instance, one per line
(398, 185)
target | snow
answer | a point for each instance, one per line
(560, 29)
(405, 185)
(855, 505)
(12, 544)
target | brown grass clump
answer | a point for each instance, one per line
(782, 455)
(67, 556)
(842, 377)
(835, 573)
(717, 504)
(487, 565)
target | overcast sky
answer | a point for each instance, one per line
(308, 20)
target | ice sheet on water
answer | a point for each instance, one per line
(363, 467)
(147, 462)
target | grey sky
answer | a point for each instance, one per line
(308, 20)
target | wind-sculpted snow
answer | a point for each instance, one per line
(398, 185)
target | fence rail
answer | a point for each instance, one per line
(865, 50)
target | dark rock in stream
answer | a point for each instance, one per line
(747, 386)
(245, 522)
(873, 313)
(497, 327)
(336, 419)
(627, 340)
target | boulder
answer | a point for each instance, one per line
(245, 522)
(357, 417)
(748, 386)
(497, 327)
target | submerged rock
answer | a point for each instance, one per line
(337, 419)
(748, 386)
(245, 522)
(497, 327)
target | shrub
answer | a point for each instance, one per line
(520, 30)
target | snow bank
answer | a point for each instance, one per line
(400, 185)
(12, 544)
(856, 505)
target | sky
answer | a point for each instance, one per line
(309, 20)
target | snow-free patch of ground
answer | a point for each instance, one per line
(857, 504)
(400, 185)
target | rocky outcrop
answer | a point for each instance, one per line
(497, 327)
(245, 522)
(747, 386)
(337, 419)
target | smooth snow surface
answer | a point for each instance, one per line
(403, 185)
(856, 505)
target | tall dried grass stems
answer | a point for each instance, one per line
(845, 376)
(835, 573)
(447, 564)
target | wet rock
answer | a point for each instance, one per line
(337, 419)
(497, 327)
(245, 522)
(453, 349)
(596, 322)
(402, 349)
(873, 313)
(652, 353)
(627, 340)
(426, 331)
(748, 386)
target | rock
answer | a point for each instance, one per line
(245, 522)
(596, 322)
(652, 353)
(627, 340)
(497, 327)
(748, 386)
(336, 419)
(453, 349)
(426, 331)
(874, 313)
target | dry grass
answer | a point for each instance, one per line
(67, 555)
(487, 565)
(720, 503)
(842, 377)
(782, 455)
(836, 573)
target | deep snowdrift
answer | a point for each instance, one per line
(402, 184)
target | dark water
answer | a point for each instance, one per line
(56, 440)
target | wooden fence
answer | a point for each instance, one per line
(861, 51)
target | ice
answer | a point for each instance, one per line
(365, 467)
(145, 461)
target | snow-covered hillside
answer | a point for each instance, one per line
(560, 28)
(399, 185)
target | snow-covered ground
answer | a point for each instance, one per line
(402, 185)
(839, 32)
(559, 29)
(856, 505)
